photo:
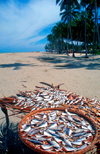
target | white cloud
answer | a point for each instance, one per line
(18, 23)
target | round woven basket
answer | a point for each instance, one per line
(70, 109)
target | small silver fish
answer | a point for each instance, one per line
(61, 134)
(39, 138)
(34, 141)
(82, 139)
(46, 133)
(65, 130)
(53, 117)
(53, 113)
(34, 121)
(65, 148)
(61, 126)
(54, 144)
(69, 131)
(57, 139)
(90, 127)
(79, 134)
(82, 147)
(54, 125)
(27, 128)
(45, 147)
(67, 142)
(44, 124)
(77, 142)
(33, 131)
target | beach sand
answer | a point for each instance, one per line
(24, 71)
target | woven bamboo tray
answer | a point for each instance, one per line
(70, 109)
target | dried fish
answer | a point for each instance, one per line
(34, 141)
(79, 134)
(77, 142)
(60, 130)
(46, 133)
(54, 144)
(34, 121)
(69, 131)
(66, 129)
(81, 139)
(26, 129)
(69, 149)
(57, 139)
(82, 147)
(67, 142)
(44, 124)
(54, 125)
(45, 147)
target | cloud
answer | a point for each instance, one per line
(22, 24)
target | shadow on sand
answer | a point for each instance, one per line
(67, 62)
(16, 65)
(14, 144)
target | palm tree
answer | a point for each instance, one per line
(93, 6)
(77, 28)
(84, 4)
(69, 7)
(58, 32)
(51, 39)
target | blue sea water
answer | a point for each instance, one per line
(14, 51)
(17, 49)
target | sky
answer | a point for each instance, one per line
(25, 24)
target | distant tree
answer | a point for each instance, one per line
(50, 39)
(47, 47)
(59, 32)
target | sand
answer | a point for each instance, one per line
(24, 71)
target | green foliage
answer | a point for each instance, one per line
(98, 52)
(73, 26)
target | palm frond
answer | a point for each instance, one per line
(57, 1)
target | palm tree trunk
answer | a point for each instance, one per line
(93, 41)
(71, 34)
(61, 43)
(85, 34)
(67, 42)
(80, 41)
(98, 34)
(96, 22)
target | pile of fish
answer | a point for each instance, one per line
(52, 97)
(56, 131)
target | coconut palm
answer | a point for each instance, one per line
(77, 28)
(84, 4)
(51, 40)
(68, 10)
(94, 6)
(91, 5)
(58, 32)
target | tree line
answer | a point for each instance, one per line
(78, 29)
